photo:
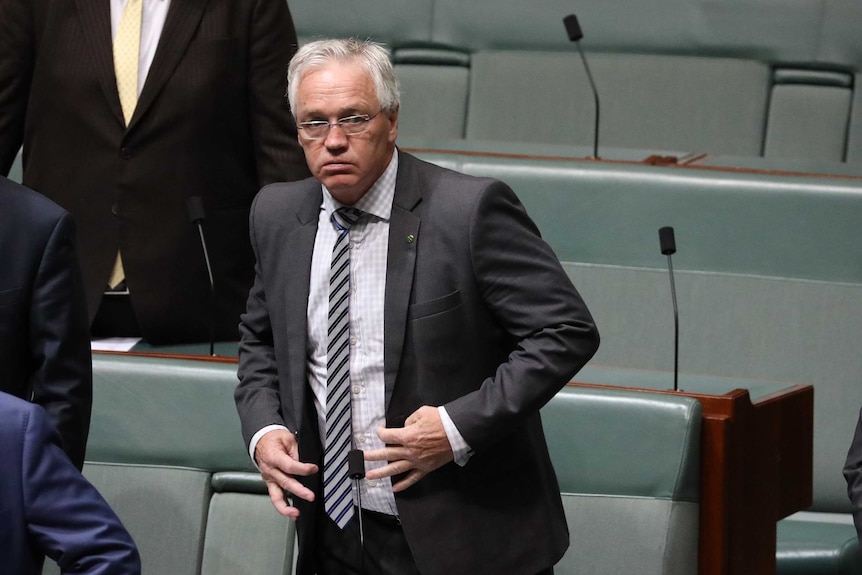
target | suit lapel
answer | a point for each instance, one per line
(96, 26)
(403, 240)
(296, 287)
(181, 23)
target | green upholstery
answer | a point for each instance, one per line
(752, 224)
(394, 22)
(808, 116)
(809, 544)
(244, 533)
(651, 102)
(140, 406)
(163, 507)
(166, 451)
(627, 463)
(433, 99)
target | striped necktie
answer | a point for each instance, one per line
(337, 490)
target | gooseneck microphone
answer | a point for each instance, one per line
(573, 29)
(197, 215)
(356, 471)
(668, 248)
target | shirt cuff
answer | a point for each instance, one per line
(256, 437)
(460, 449)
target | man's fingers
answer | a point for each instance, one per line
(391, 435)
(388, 453)
(276, 457)
(279, 501)
(409, 480)
(394, 468)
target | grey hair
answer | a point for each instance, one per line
(374, 57)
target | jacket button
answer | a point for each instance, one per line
(126, 153)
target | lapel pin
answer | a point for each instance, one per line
(411, 238)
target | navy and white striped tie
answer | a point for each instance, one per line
(337, 489)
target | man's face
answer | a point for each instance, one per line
(347, 166)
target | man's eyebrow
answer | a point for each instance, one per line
(343, 113)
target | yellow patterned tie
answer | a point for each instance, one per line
(127, 47)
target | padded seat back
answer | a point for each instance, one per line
(434, 92)
(649, 102)
(159, 430)
(628, 467)
(244, 533)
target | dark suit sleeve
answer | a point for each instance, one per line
(530, 295)
(273, 44)
(67, 518)
(17, 53)
(853, 474)
(257, 396)
(60, 341)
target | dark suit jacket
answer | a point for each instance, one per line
(49, 508)
(44, 338)
(853, 474)
(212, 121)
(479, 317)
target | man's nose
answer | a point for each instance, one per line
(335, 137)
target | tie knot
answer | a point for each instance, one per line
(343, 218)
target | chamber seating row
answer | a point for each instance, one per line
(769, 284)
(166, 451)
(748, 78)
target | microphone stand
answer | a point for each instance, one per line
(668, 248)
(356, 472)
(595, 99)
(573, 29)
(212, 287)
(197, 215)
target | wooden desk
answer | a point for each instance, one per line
(756, 469)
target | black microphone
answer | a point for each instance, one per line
(197, 216)
(668, 248)
(573, 29)
(355, 464)
(356, 471)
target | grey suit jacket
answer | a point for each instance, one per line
(853, 474)
(479, 317)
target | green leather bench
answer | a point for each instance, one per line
(166, 452)
(628, 464)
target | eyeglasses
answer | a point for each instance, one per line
(350, 125)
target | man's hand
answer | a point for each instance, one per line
(277, 456)
(417, 449)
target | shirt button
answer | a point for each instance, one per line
(362, 438)
(356, 389)
(372, 483)
(352, 340)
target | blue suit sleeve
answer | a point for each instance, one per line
(68, 520)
